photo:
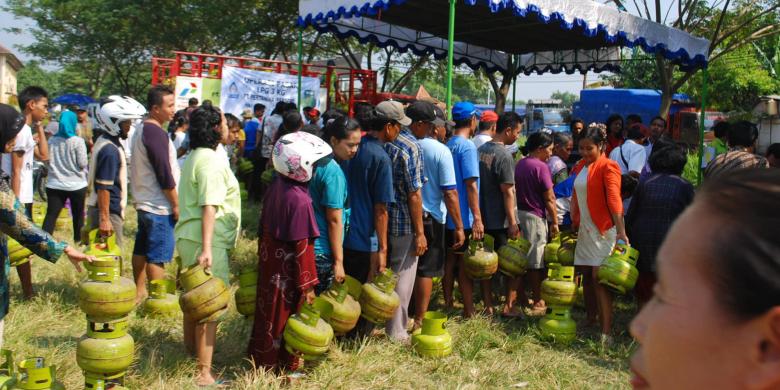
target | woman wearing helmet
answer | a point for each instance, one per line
(107, 181)
(14, 222)
(286, 253)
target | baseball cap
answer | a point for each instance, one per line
(488, 116)
(463, 110)
(246, 114)
(393, 110)
(421, 111)
(313, 113)
(441, 118)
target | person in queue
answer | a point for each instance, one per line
(562, 149)
(370, 184)
(721, 141)
(440, 198)
(210, 218)
(14, 222)
(405, 231)
(714, 321)
(615, 133)
(657, 134)
(656, 204)
(597, 216)
(153, 182)
(67, 178)
(497, 201)
(576, 126)
(330, 199)
(258, 147)
(466, 161)
(741, 154)
(487, 128)
(108, 170)
(286, 265)
(536, 210)
(18, 162)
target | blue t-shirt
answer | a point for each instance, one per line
(328, 189)
(370, 181)
(440, 172)
(466, 161)
(250, 129)
(107, 175)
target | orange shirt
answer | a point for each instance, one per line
(603, 193)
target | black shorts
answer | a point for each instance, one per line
(449, 240)
(357, 264)
(499, 237)
(431, 264)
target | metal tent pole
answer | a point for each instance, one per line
(703, 115)
(450, 50)
(514, 84)
(300, 66)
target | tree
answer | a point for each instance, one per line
(34, 74)
(566, 98)
(111, 42)
(729, 25)
(736, 82)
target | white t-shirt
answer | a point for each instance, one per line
(634, 155)
(26, 144)
(481, 139)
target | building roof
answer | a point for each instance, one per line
(12, 59)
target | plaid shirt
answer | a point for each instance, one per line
(733, 160)
(406, 157)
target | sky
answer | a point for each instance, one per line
(528, 87)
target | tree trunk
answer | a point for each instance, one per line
(665, 75)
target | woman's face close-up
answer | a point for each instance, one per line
(546, 153)
(564, 151)
(589, 150)
(346, 148)
(687, 339)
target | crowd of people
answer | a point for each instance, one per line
(405, 188)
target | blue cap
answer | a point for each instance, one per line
(463, 110)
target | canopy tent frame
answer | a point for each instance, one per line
(571, 25)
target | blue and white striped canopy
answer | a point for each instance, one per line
(550, 35)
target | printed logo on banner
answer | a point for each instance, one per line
(191, 90)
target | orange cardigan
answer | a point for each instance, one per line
(603, 193)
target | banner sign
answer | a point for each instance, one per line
(186, 88)
(196, 87)
(242, 88)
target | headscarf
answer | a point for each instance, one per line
(11, 123)
(68, 122)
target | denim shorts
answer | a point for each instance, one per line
(155, 237)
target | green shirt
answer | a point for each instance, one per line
(720, 146)
(206, 180)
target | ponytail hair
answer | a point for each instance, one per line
(536, 141)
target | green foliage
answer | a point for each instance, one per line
(691, 170)
(567, 98)
(34, 74)
(107, 45)
(736, 82)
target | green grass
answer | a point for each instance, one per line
(488, 353)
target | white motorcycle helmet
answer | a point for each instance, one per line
(115, 109)
(295, 154)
